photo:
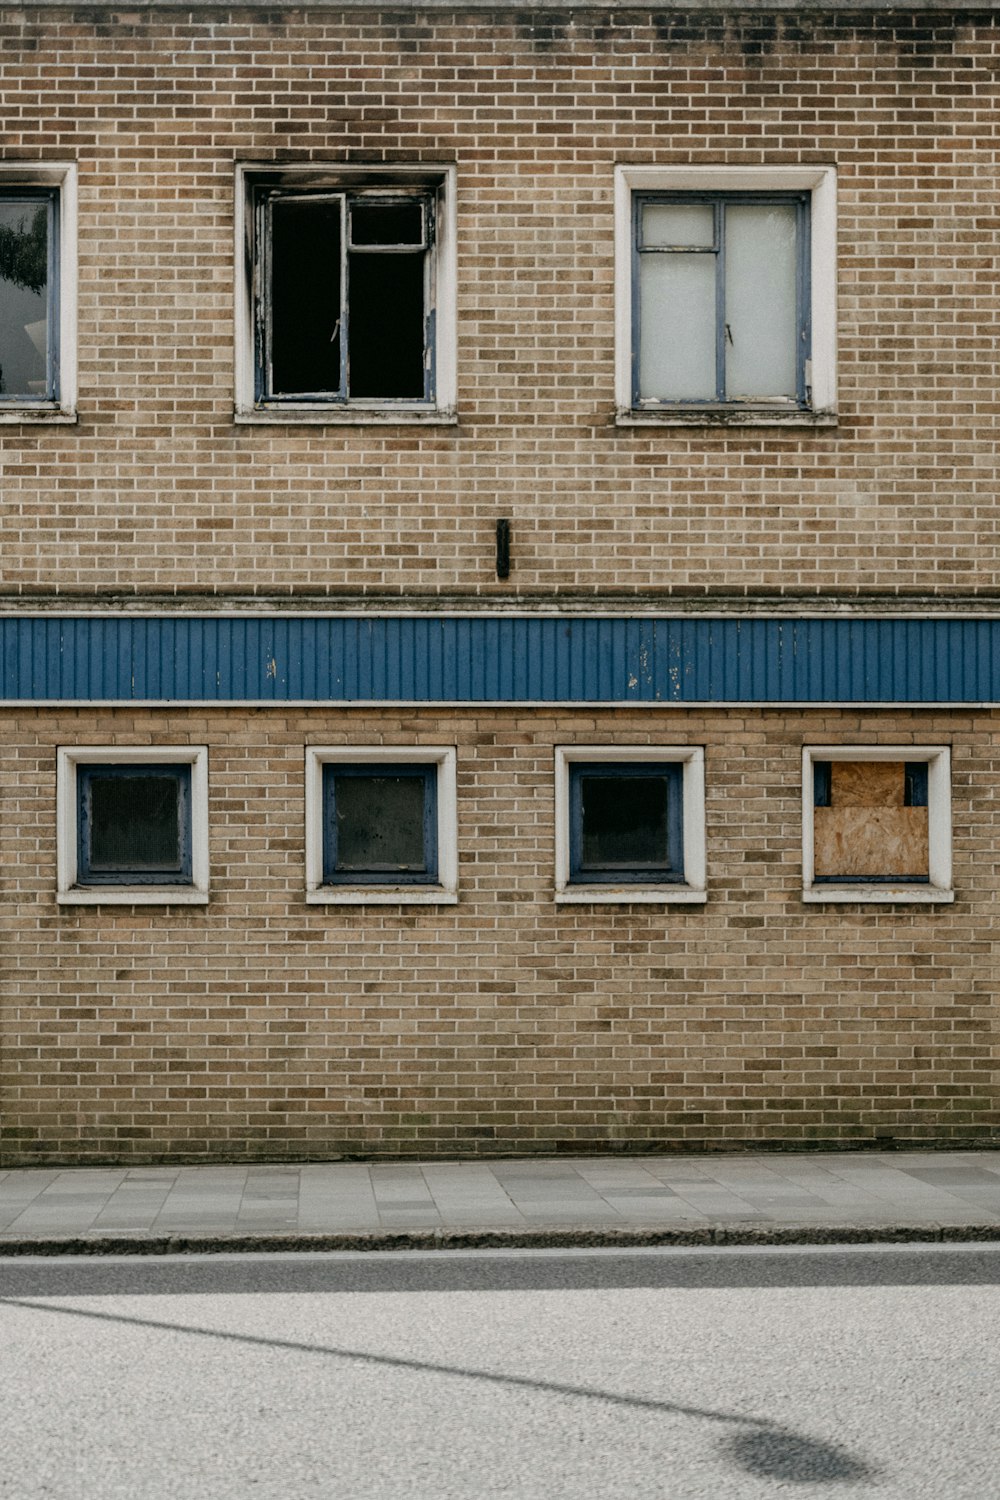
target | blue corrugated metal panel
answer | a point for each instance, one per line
(293, 658)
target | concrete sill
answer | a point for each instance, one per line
(145, 895)
(619, 895)
(338, 416)
(675, 417)
(397, 895)
(33, 416)
(869, 895)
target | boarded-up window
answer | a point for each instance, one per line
(870, 820)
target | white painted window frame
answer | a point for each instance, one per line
(63, 177)
(445, 892)
(69, 757)
(821, 184)
(693, 891)
(311, 175)
(939, 888)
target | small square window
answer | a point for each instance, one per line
(630, 824)
(725, 294)
(37, 292)
(381, 825)
(877, 824)
(349, 294)
(132, 825)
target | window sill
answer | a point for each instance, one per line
(618, 895)
(18, 416)
(724, 417)
(133, 895)
(874, 895)
(341, 416)
(395, 895)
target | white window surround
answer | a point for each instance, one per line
(692, 891)
(68, 893)
(821, 184)
(337, 176)
(445, 893)
(63, 177)
(939, 887)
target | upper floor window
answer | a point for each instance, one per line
(725, 306)
(349, 306)
(37, 292)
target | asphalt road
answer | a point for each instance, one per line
(870, 1371)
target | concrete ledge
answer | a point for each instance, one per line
(502, 1239)
(544, 12)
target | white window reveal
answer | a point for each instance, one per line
(726, 292)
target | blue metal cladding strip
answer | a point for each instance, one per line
(505, 659)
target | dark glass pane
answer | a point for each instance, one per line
(380, 823)
(386, 347)
(624, 822)
(134, 823)
(24, 300)
(305, 297)
(387, 224)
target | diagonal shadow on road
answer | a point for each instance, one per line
(761, 1448)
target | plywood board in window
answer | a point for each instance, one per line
(872, 842)
(867, 783)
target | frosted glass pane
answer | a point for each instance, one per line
(761, 340)
(677, 327)
(24, 307)
(678, 224)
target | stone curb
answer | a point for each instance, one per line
(501, 1239)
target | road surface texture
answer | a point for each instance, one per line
(868, 1371)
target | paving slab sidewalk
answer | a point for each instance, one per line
(750, 1198)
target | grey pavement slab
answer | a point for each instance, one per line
(865, 1193)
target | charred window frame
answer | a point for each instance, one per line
(344, 295)
(710, 257)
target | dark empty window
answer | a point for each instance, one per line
(380, 824)
(28, 286)
(870, 821)
(342, 290)
(625, 822)
(134, 824)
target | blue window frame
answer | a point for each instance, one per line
(626, 822)
(915, 794)
(380, 824)
(721, 299)
(343, 296)
(29, 295)
(133, 824)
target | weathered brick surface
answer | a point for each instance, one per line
(156, 488)
(262, 1027)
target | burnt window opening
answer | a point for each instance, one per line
(870, 821)
(343, 304)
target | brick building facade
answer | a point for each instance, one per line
(328, 827)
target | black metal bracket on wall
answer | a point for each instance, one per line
(503, 549)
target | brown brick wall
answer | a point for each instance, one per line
(262, 1027)
(157, 489)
